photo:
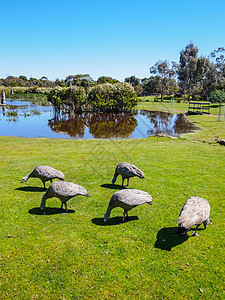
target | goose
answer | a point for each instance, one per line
(127, 199)
(195, 211)
(64, 191)
(44, 173)
(127, 170)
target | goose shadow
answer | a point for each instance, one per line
(49, 211)
(113, 221)
(31, 189)
(113, 186)
(167, 238)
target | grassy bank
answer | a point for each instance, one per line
(77, 256)
(209, 124)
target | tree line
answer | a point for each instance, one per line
(193, 77)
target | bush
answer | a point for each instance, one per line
(6, 90)
(107, 97)
(73, 98)
(119, 97)
(217, 96)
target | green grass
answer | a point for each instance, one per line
(151, 102)
(209, 124)
(76, 255)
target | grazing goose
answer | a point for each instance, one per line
(64, 191)
(127, 170)
(44, 173)
(195, 211)
(127, 199)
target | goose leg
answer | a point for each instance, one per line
(66, 207)
(196, 229)
(122, 181)
(127, 182)
(61, 206)
(124, 216)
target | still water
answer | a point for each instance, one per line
(23, 119)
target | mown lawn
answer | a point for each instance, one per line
(77, 256)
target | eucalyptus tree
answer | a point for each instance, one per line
(24, 78)
(150, 85)
(210, 80)
(187, 69)
(164, 73)
(106, 79)
(133, 80)
(34, 81)
(136, 83)
(45, 82)
(83, 80)
(218, 57)
(59, 82)
(69, 80)
(200, 77)
(13, 81)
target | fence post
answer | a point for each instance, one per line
(221, 113)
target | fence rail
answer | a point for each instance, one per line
(198, 107)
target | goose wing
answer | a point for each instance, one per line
(133, 197)
(195, 211)
(130, 170)
(67, 189)
(47, 172)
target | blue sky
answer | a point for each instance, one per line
(111, 38)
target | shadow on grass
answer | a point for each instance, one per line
(31, 189)
(113, 221)
(113, 186)
(167, 238)
(49, 211)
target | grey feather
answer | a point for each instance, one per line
(127, 199)
(44, 173)
(64, 191)
(195, 211)
(127, 170)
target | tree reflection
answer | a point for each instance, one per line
(74, 126)
(102, 125)
(112, 125)
(171, 124)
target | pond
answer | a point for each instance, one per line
(23, 119)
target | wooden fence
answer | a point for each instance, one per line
(198, 107)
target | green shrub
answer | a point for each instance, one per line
(119, 97)
(6, 90)
(217, 96)
(73, 98)
(19, 89)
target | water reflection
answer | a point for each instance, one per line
(22, 118)
(3, 111)
(100, 125)
(74, 126)
(111, 125)
(171, 124)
